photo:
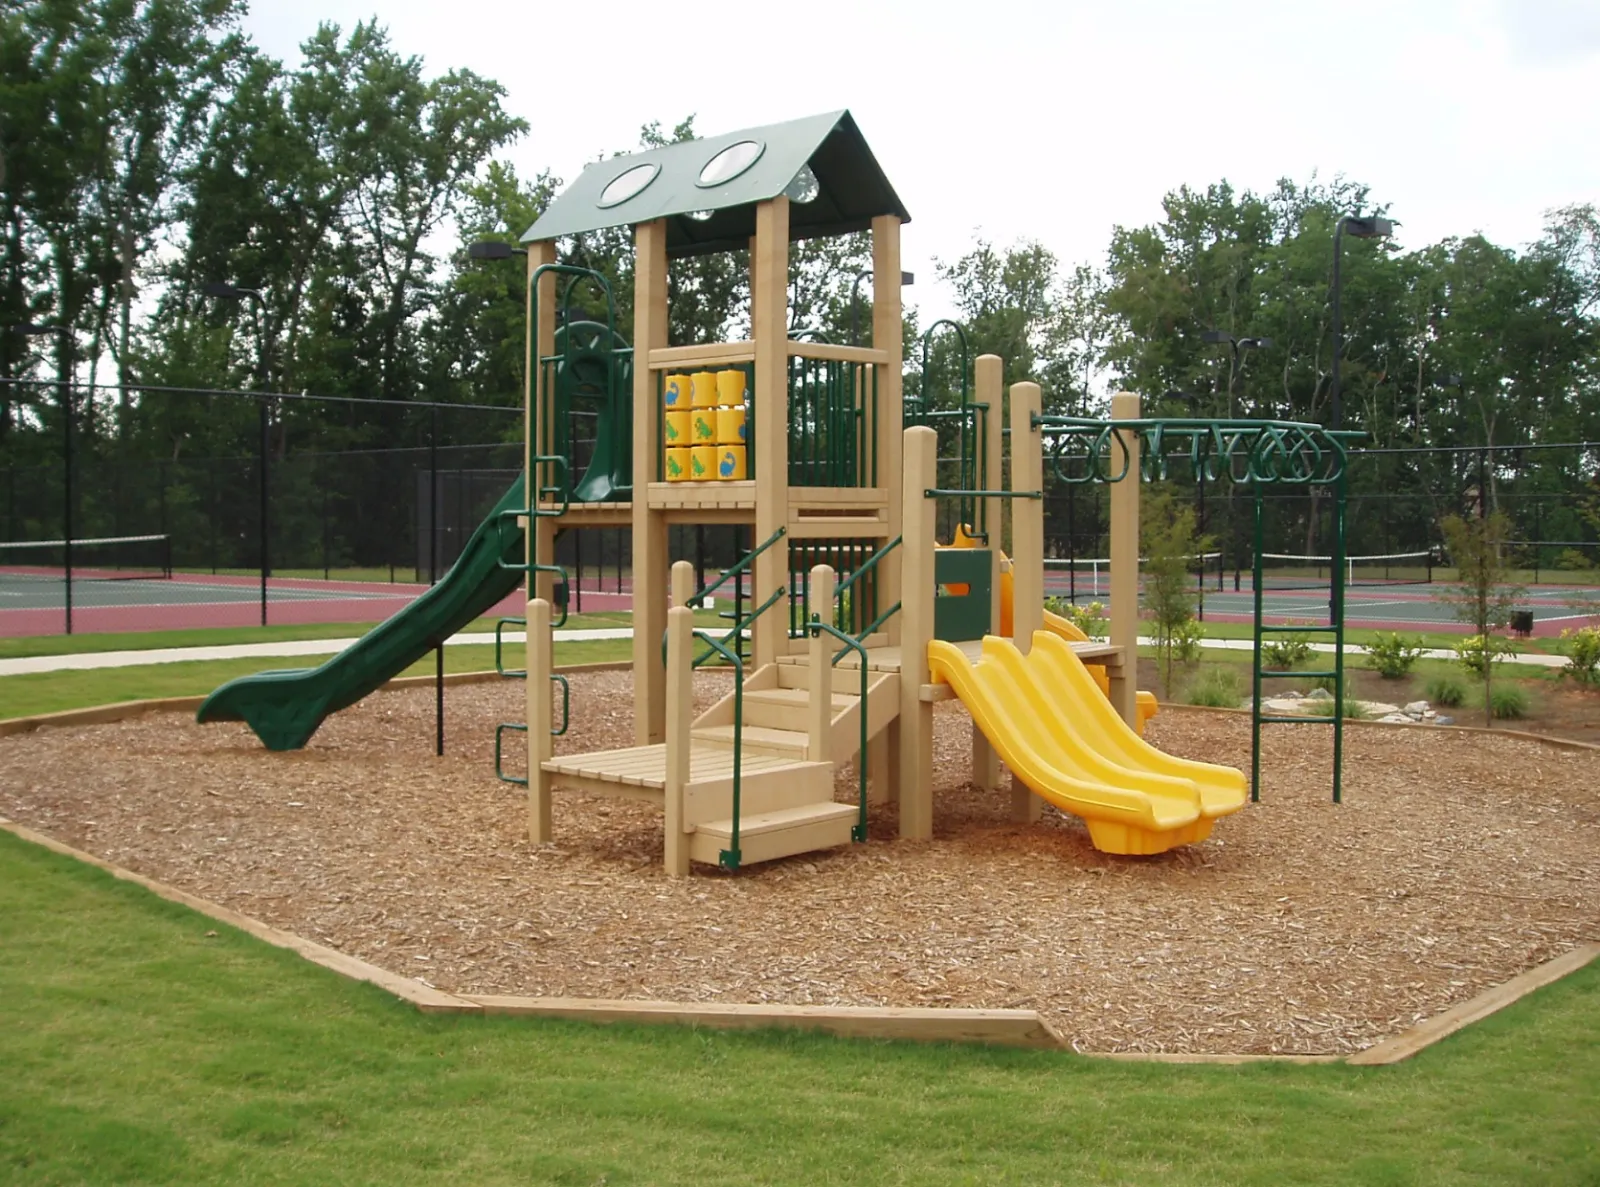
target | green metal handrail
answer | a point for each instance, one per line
(939, 492)
(566, 703)
(858, 832)
(729, 857)
(705, 591)
(740, 626)
(499, 642)
(499, 734)
(867, 565)
(877, 622)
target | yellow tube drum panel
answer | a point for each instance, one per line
(703, 426)
(676, 392)
(731, 463)
(703, 463)
(678, 465)
(676, 430)
(705, 389)
(730, 426)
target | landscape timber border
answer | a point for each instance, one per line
(1011, 1028)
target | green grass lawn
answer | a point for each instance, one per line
(52, 692)
(143, 1043)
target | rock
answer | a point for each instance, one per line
(1282, 706)
(1377, 709)
(1397, 719)
(1441, 719)
(1319, 694)
(1418, 709)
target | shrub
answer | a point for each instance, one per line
(1478, 651)
(1090, 618)
(1286, 651)
(1448, 691)
(1355, 710)
(1582, 649)
(1391, 655)
(1217, 688)
(1508, 703)
(1186, 641)
(1573, 560)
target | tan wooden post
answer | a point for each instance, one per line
(887, 333)
(649, 527)
(1027, 543)
(683, 585)
(987, 389)
(819, 714)
(540, 744)
(769, 320)
(916, 632)
(680, 716)
(1125, 562)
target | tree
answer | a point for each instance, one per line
(1484, 596)
(1169, 541)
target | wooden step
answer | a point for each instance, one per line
(769, 835)
(755, 739)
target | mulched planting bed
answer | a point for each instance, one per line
(1301, 926)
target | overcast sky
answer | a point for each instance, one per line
(1058, 121)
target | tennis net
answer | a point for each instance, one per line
(1090, 577)
(1283, 570)
(109, 558)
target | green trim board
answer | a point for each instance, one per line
(672, 183)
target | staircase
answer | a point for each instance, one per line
(789, 808)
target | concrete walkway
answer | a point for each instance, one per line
(298, 647)
(326, 647)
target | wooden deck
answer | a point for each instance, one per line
(641, 771)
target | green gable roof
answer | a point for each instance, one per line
(852, 188)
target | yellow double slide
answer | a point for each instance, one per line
(1050, 724)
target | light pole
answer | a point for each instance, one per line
(1371, 227)
(232, 292)
(1239, 346)
(64, 390)
(907, 279)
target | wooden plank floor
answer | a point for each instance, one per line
(646, 766)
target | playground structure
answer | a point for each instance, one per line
(858, 621)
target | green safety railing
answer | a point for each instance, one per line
(741, 622)
(861, 570)
(833, 422)
(1257, 453)
(858, 831)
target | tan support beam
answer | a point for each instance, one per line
(880, 749)
(1125, 561)
(987, 389)
(916, 632)
(1027, 543)
(887, 335)
(540, 341)
(649, 529)
(680, 717)
(540, 746)
(769, 319)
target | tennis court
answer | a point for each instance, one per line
(127, 584)
(1399, 591)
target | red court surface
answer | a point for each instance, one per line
(188, 600)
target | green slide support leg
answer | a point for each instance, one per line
(285, 708)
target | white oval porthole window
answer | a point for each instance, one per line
(730, 162)
(627, 183)
(804, 187)
(701, 216)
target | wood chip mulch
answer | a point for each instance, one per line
(1455, 862)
